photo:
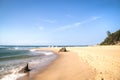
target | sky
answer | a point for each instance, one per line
(57, 22)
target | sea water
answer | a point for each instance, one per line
(13, 59)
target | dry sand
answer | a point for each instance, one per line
(104, 59)
(84, 63)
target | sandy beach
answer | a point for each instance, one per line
(83, 63)
(60, 40)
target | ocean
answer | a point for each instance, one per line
(14, 58)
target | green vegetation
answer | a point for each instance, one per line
(112, 38)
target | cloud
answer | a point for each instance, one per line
(95, 18)
(76, 24)
(49, 21)
(63, 28)
(68, 15)
(40, 27)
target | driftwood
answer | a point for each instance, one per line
(63, 49)
(25, 69)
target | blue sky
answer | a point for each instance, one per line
(57, 22)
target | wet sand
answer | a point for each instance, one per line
(83, 63)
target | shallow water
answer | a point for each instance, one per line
(13, 59)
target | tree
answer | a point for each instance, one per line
(108, 33)
(112, 38)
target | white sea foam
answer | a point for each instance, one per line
(48, 53)
(42, 52)
(16, 48)
(13, 76)
(32, 50)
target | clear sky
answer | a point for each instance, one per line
(58, 22)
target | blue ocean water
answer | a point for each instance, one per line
(12, 59)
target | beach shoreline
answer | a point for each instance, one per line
(30, 75)
(84, 63)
